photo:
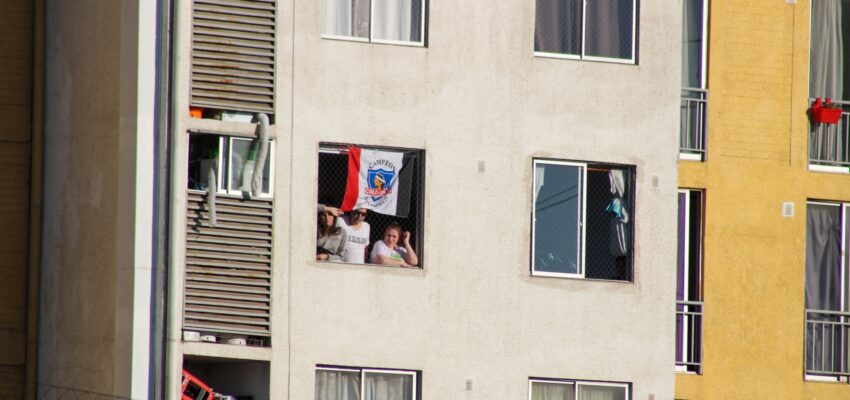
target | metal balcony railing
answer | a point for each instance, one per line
(827, 343)
(694, 111)
(689, 336)
(829, 144)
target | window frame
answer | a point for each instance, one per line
(581, 220)
(225, 142)
(577, 384)
(631, 180)
(362, 371)
(630, 61)
(370, 39)
(686, 332)
(844, 265)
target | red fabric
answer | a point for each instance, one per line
(352, 185)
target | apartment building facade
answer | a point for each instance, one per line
(535, 154)
(763, 191)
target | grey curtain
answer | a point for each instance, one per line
(609, 28)
(826, 76)
(557, 26)
(823, 286)
(337, 385)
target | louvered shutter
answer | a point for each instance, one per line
(233, 55)
(228, 267)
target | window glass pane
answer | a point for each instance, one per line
(242, 160)
(397, 20)
(557, 26)
(337, 385)
(381, 386)
(552, 391)
(692, 42)
(830, 50)
(593, 392)
(608, 31)
(608, 224)
(346, 18)
(557, 207)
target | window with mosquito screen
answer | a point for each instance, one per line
(354, 383)
(380, 190)
(582, 224)
(602, 30)
(557, 389)
(380, 21)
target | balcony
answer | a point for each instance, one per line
(827, 344)
(689, 336)
(694, 111)
(829, 144)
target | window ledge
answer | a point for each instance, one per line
(562, 56)
(691, 157)
(829, 168)
(575, 277)
(370, 265)
(222, 350)
(373, 41)
(226, 128)
(825, 379)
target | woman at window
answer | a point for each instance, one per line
(330, 238)
(388, 252)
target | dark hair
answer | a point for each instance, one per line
(327, 230)
(394, 225)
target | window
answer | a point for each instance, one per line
(694, 106)
(830, 45)
(582, 220)
(379, 189)
(232, 159)
(603, 30)
(558, 389)
(352, 383)
(827, 284)
(689, 282)
(379, 21)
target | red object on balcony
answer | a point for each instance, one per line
(192, 388)
(825, 113)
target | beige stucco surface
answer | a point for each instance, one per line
(77, 345)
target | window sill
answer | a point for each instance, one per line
(370, 265)
(575, 277)
(226, 128)
(373, 41)
(561, 56)
(829, 169)
(825, 379)
(229, 351)
(691, 157)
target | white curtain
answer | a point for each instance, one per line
(587, 392)
(552, 391)
(346, 18)
(826, 79)
(337, 385)
(397, 20)
(387, 387)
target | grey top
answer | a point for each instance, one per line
(333, 244)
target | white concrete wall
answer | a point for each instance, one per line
(476, 93)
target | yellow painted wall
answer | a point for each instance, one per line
(754, 259)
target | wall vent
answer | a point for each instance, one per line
(233, 55)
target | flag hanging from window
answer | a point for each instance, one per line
(378, 180)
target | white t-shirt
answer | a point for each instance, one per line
(355, 247)
(380, 248)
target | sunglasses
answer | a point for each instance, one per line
(360, 213)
